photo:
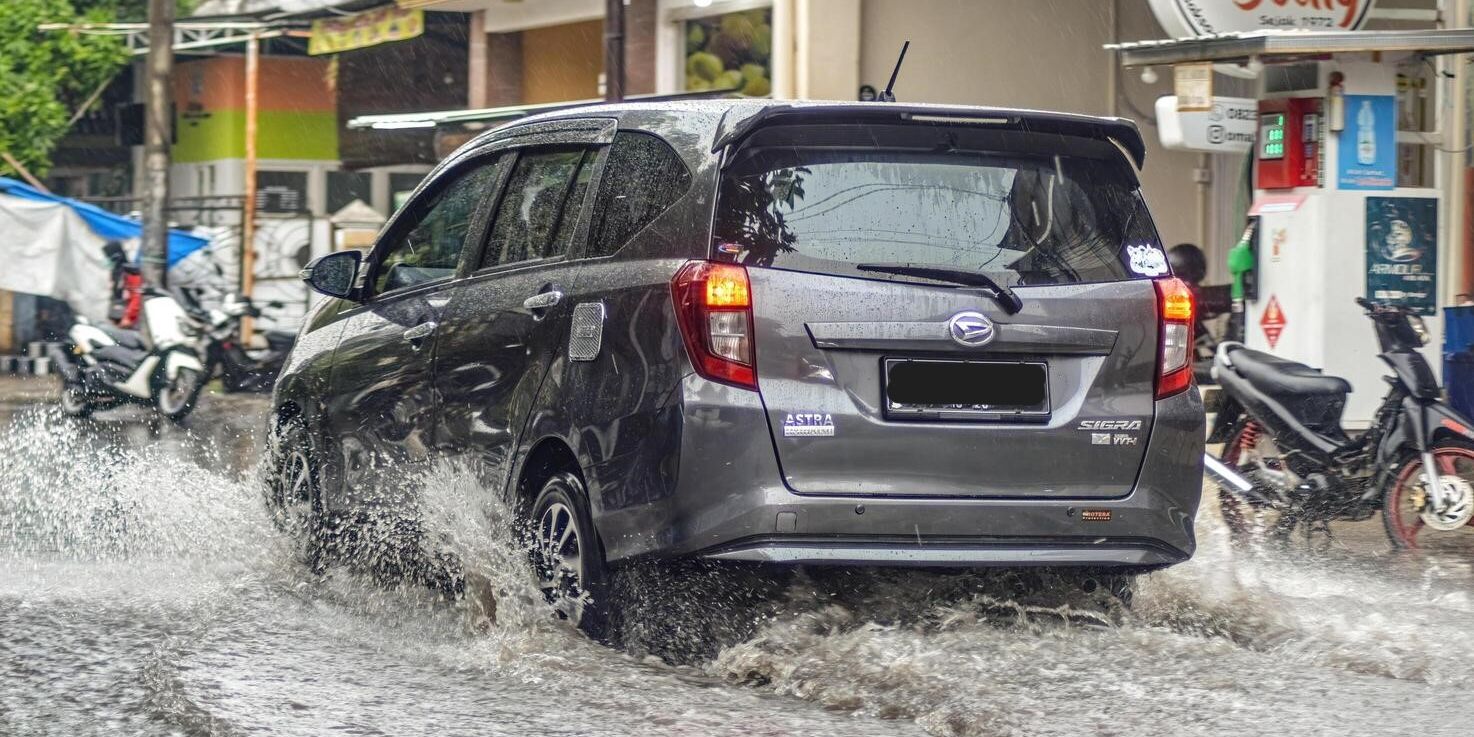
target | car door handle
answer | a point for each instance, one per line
(421, 331)
(542, 300)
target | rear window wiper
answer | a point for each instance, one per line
(1004, 296)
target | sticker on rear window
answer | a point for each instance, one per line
(1146, 260)
(808, 425)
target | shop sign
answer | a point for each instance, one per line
(1272, 322)
(1402, 252)
(1226, 126)
(379, 26)
(1182, 18)
(1368, 144)
(1193, 86)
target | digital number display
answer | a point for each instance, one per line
(1272, 136)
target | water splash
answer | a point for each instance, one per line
(142, 577)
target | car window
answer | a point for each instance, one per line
(1021, 217)
(568, 221)
(642, 177)
(527, 220)
(430, 245)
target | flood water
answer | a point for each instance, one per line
(143, 590)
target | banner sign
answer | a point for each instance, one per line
(1402, 252)
(1368, 156)
(380, 26)
(1227, 126)
(1182, 18)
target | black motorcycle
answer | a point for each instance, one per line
(1287, 463)
(240, 369)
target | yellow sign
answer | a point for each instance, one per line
(383, 25)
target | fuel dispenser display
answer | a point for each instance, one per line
(1289, 143)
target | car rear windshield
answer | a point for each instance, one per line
(1022, 208)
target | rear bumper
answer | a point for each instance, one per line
(729, 502)
(963, 553)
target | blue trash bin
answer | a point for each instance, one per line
(1458, 358)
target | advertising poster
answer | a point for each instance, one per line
(1402, 252)
(1368, 157)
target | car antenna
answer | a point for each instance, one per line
(889, 96)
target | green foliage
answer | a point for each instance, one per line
(45, 75)
(131, 11)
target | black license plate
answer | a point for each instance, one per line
(920, 389)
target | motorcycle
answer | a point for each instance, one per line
(243, 370)
(102, 366)
(1287, 463)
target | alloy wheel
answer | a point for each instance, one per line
(295, 497)
(1412, 519)
(559, 558)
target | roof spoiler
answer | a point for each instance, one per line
(739, 123)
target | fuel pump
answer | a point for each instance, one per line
(1288, 149)
(1344, 185)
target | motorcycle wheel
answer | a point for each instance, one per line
(1251, 448)
(1406, 516)
(74, 402)
(176, 398)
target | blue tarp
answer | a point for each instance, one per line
(106, 224)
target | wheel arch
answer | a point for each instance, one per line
(544, 458)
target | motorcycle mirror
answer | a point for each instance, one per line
(333, 274)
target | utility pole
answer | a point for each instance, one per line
(158, 129)
(614, 50)
(248, 208)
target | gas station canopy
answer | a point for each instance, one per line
(1271, 47)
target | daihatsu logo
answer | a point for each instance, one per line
(971, 329)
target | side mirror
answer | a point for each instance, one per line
(333, 274)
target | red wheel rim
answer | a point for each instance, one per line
(1408, 529)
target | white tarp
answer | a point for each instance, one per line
(31, 261)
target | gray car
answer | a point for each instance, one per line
(861, 334)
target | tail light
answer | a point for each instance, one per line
(713, 304)
(1175, 312)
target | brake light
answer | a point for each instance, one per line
(713, 303)
(1175, 312)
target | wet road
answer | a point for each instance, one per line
(144, 591)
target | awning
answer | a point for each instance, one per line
(1283, 46)
(53, 246)
(106, 225)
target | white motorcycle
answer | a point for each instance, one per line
(103, 366)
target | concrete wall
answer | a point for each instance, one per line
(1036, 54)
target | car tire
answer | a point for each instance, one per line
(566, 555)
(293, 496)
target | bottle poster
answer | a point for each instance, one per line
(1402, 252)
(1368, 143)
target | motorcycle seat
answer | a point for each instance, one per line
(131, 339)
(279, 340)
(1280, 377)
